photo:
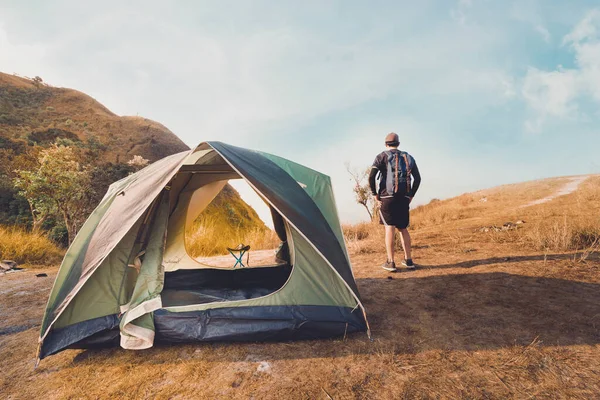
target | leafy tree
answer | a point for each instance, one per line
(58, 187)
(37, 81)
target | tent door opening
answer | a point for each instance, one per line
(195, 271)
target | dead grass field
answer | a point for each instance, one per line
(488, 315)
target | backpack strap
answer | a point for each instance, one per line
(397, 165)
(404, 155)
(389, 179)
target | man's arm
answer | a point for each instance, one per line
(375, 168)
(416, 181)
(372, 180)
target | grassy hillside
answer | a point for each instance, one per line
(33, 113)
(569, 222)
(227, 222)
(34, 116)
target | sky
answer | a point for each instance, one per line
(481, 92)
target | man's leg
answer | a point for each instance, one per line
(389, 242)
(405, 236)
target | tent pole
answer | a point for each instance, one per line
(37, 355)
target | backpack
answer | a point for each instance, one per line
(398, 171)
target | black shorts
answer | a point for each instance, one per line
(395, 211)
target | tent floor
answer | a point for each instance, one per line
(198, 286)
(183, 297)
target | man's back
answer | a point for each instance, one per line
(401, 166)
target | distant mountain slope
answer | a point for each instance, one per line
(32, 112)
(33, 115)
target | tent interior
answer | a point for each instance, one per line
(190, 280)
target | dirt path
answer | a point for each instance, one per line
(569, 187)
(23, 298)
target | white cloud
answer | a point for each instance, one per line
(556, 94)
(539, 28)
(551, 93)
(585, 29)
(529, 13)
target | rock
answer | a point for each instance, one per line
(8, 264)
(508, 226)
(42, 275)
(264, 367)
(520, 222)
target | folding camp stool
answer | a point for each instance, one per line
(241, 249)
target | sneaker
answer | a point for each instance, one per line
(389, 266)
(409, 264)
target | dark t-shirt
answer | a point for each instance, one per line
(380, 165)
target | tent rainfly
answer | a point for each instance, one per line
(127, 278)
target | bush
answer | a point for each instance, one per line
(59, 235)
(28, 248)
(50, 135)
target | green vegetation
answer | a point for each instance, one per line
(58, 187)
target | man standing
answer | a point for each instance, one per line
(394, 196)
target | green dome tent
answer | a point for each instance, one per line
(127, 277)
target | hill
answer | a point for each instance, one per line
(495, 311)
(226, 222)
(34, 113)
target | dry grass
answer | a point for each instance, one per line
(28, 248)
(362, 238)
(486, 316)
(211, 236)
(499, 202)
(571, 223)
(564, 235)
(443, 211)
